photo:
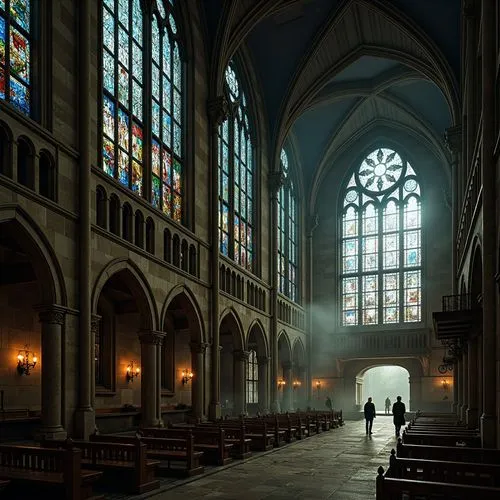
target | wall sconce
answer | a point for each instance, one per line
(24, 365)
(318, 384)
(296, 384)
(281, 383)
(187, 375)
(445, 385)
(132, 372)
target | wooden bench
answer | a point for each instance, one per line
(177, 456)
(124, 465)
(391, 488)
(215, 449)
(237, 436)
(437, 439)
(56, 473)
(261, 438)
(454, 453)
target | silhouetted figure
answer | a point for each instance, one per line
(328, 403)
(398, 410)
(387, 405)
(369, 411)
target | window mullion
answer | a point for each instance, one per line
(231, 211)
(380, 279)
(147, 70)
(360, 265)
(401, 258)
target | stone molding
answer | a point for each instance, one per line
(94, 323)
(218, 110)
(263, 360)
(311, 224)
(453, 139)
(151, 337)
(275, 181)
(51, 314)
(198, 347)
(240, 355)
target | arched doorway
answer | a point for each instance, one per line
(382, 382)
(285, 385)
(183, 353)
(257, 373)
(299, 375)
(32, 300)
(126, 345)
(232, 365)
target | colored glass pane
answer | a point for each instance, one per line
(161, 9)
(20, 12)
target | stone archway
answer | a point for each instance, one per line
(258, 370)
(183, 351)
(233, 359)
(285, 386)
(126, 344)
(299, 371)
(32, 283)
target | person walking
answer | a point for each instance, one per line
(369, 411)
(398, 411)
(387, 405)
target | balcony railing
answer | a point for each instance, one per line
(457, 303)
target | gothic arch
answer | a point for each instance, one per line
(284, 340)
(14, 220)
(298, 347)
(192, 308)
(260, 337)
(138, 285)
(357, 367)
(230, 318)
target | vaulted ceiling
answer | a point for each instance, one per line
(332, 69)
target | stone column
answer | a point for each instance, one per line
(94, 328)
(218, 109)
(465, 386)
(52, 320)
(263, 362)
(276, 180)
(288, 389)
(198, 366)
(159, 361)
(240, 359)
(472, 410)
(489, 230)
(460, 383)
(454, 405)
(84, 416)
(150, 342)
(415, 393)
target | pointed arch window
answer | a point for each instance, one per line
(15, 53)
(252, 378)
(287, 233)
(236, 178)
(129, 116)
(381, 243)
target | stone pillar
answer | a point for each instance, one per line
(415, 393)
(84, 416)
(240, 359)
(150, 343)
(197, 389)
(288, 389)
(460, 383)
(465, 386)
(472, 410)
(52, 319)
(218, 109)
(93, 330)
(263, 362)
(159, 361)
(454, 405)
(276, 180)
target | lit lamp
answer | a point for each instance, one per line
(296, 384)
(187, 375)
(318, 386)
(24, 365)
(281, 383)
(445, 384)
(132, 372)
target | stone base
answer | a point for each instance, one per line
(214, 410)
(84, 423)
(454, 407)
(488, 431)
(472, 418)
(49, 433)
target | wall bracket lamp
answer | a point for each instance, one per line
(296, 384)
(187, 375)
(132, 372)
(281, 383)
(26, 360)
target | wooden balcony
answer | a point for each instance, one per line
(459, 319)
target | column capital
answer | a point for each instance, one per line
(241, 355)
(263, 360)
(453, 139)
(51, 314)
(94, 322)
(311, 224)
(276, 180)
(198, 347)
(218, 110)
(151, 337)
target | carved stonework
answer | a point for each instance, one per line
(312, 224)
(151, 337)
(241, 355)
(198, 347)
(52, 315)
(218, 110)
(276, 180)
(453, 139)
(263, 360)
(94, 324)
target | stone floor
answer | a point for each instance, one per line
(339, 465)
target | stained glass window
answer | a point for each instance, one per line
(287, 234)
(252, 378)
(167, 114)
(236, 178)
(15, 53)
(381, 244)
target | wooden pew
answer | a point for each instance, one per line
(437, 439)
(3, 484)
(212, 442)
(455, 453)
(177, 456)
(124, 465)
(261, 437)
(58, 473)
(237, 436)
(391, 488)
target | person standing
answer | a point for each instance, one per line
(369, 410)
(398, 411)
(387, 405)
